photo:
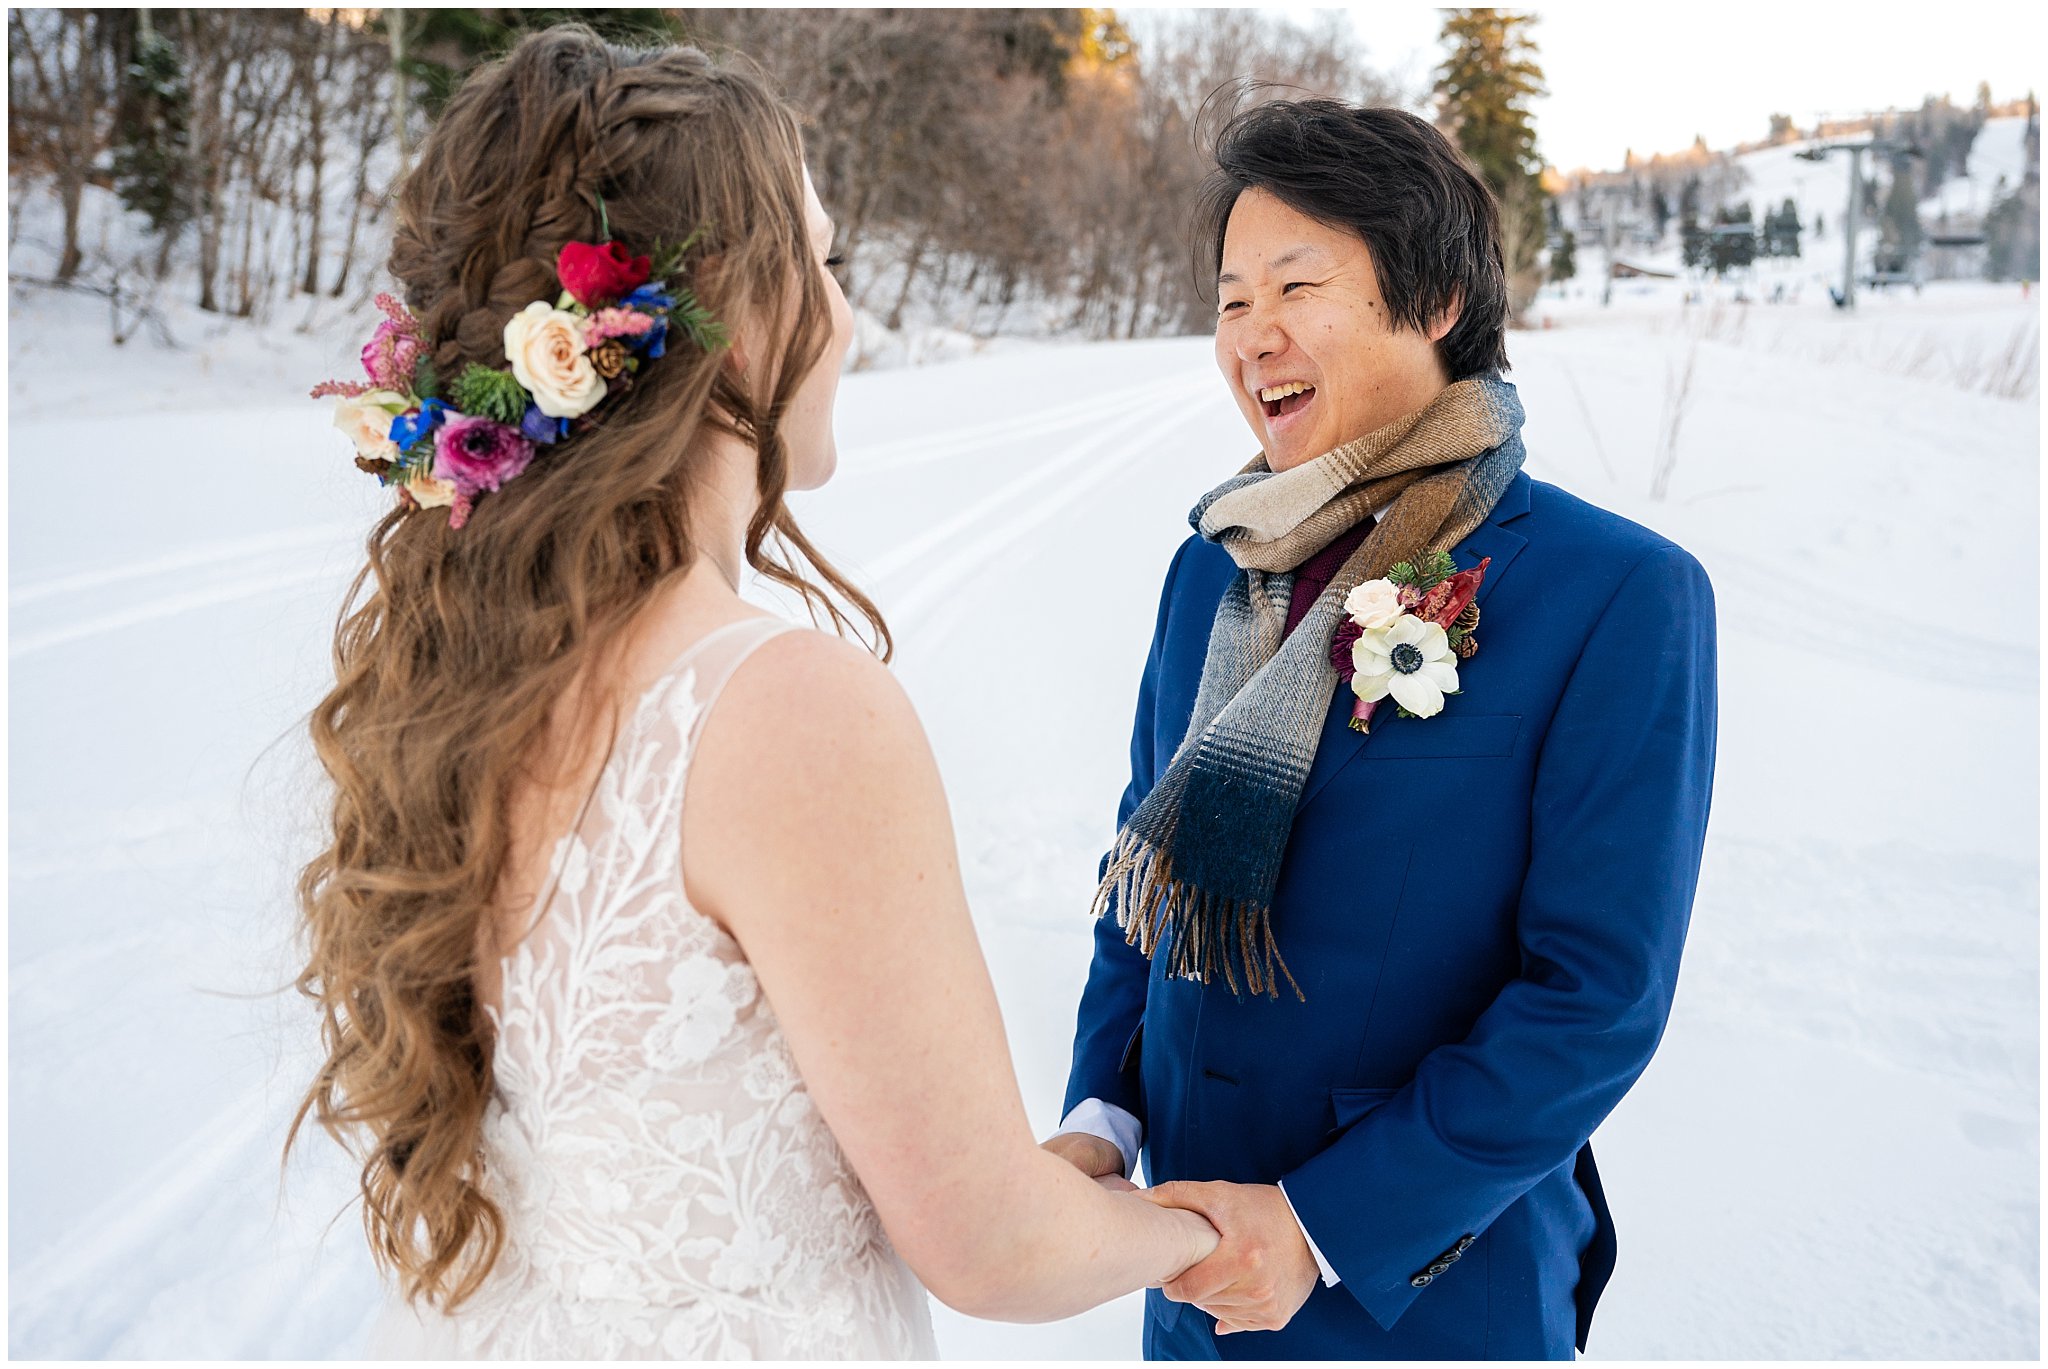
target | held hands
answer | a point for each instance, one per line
(1261, 1272)
(1104, 1163)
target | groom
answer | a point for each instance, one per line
(1367, 978)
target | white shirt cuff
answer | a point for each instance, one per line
(1093, 1117)
(1329, 1274)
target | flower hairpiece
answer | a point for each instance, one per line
(443, 444)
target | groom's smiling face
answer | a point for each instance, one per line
(1303, 337)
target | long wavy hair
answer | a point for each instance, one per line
(446, 669)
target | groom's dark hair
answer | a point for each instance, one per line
(1430, 222)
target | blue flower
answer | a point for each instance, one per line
(414, 425)
(654, 341)
(538, 427)
(647, 298)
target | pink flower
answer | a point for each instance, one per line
(477, 454)
(610, 323)
(394, 349)
(347, 389)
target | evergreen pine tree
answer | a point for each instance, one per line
(1484, 89)
(1564, 256)
(1693, 242)
(1732, 242)
(152, 149)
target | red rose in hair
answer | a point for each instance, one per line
(598, 273)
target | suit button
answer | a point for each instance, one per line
(1465, 1243)
(1440, 1267)
(1422, 1281)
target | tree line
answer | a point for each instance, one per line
(1001, 160)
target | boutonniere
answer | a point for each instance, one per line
(1405, 635)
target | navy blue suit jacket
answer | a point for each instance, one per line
(1485, 910)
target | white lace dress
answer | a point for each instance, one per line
(669, 1189)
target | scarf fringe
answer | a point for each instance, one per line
(1209, 932)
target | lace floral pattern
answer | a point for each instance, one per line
(669, 1189)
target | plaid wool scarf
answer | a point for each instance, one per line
(1194, 868)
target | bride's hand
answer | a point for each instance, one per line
(1202, 1238)
(1116, 1183)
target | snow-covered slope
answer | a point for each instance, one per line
(1834, 1155)
(1771, 175)
(1998, 163)
(1766, 177)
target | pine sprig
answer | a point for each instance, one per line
(415, 463)
(486, 393)
(1424, 573)
(704, 330)
(666, 260)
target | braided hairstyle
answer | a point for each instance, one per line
(446, 670)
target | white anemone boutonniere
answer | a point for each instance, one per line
(1404, 636)
(1409, 659)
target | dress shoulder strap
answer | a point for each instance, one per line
(713, 659)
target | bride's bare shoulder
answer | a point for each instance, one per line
(811, 767)
(803, 690)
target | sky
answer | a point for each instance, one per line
(1648, 78)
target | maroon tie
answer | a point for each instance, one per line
(1315, 574)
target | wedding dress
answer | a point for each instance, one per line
(668, 1188)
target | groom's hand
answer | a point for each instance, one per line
(1261, 1273)
(1092, 1155)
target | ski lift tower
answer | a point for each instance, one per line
(1855, 147)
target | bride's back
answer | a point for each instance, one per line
(666, 1184)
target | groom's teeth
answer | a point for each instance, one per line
(1292, 387)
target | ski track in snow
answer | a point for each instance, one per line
(981, 535)
(1852, 1066)
(1856, 632)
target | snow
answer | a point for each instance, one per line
(1772, 175)
(1766, 177)
(1997, 165)
(1834, 1155)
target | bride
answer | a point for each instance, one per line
(650, 998)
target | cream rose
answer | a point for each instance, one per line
(366, 418)
(430, 492)
(1374, 604)
(546, 348)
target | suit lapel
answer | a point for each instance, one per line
(1339, 743)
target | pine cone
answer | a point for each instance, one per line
(1467, 647)
(608, 358)
(1468, 617)
(373, 465)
